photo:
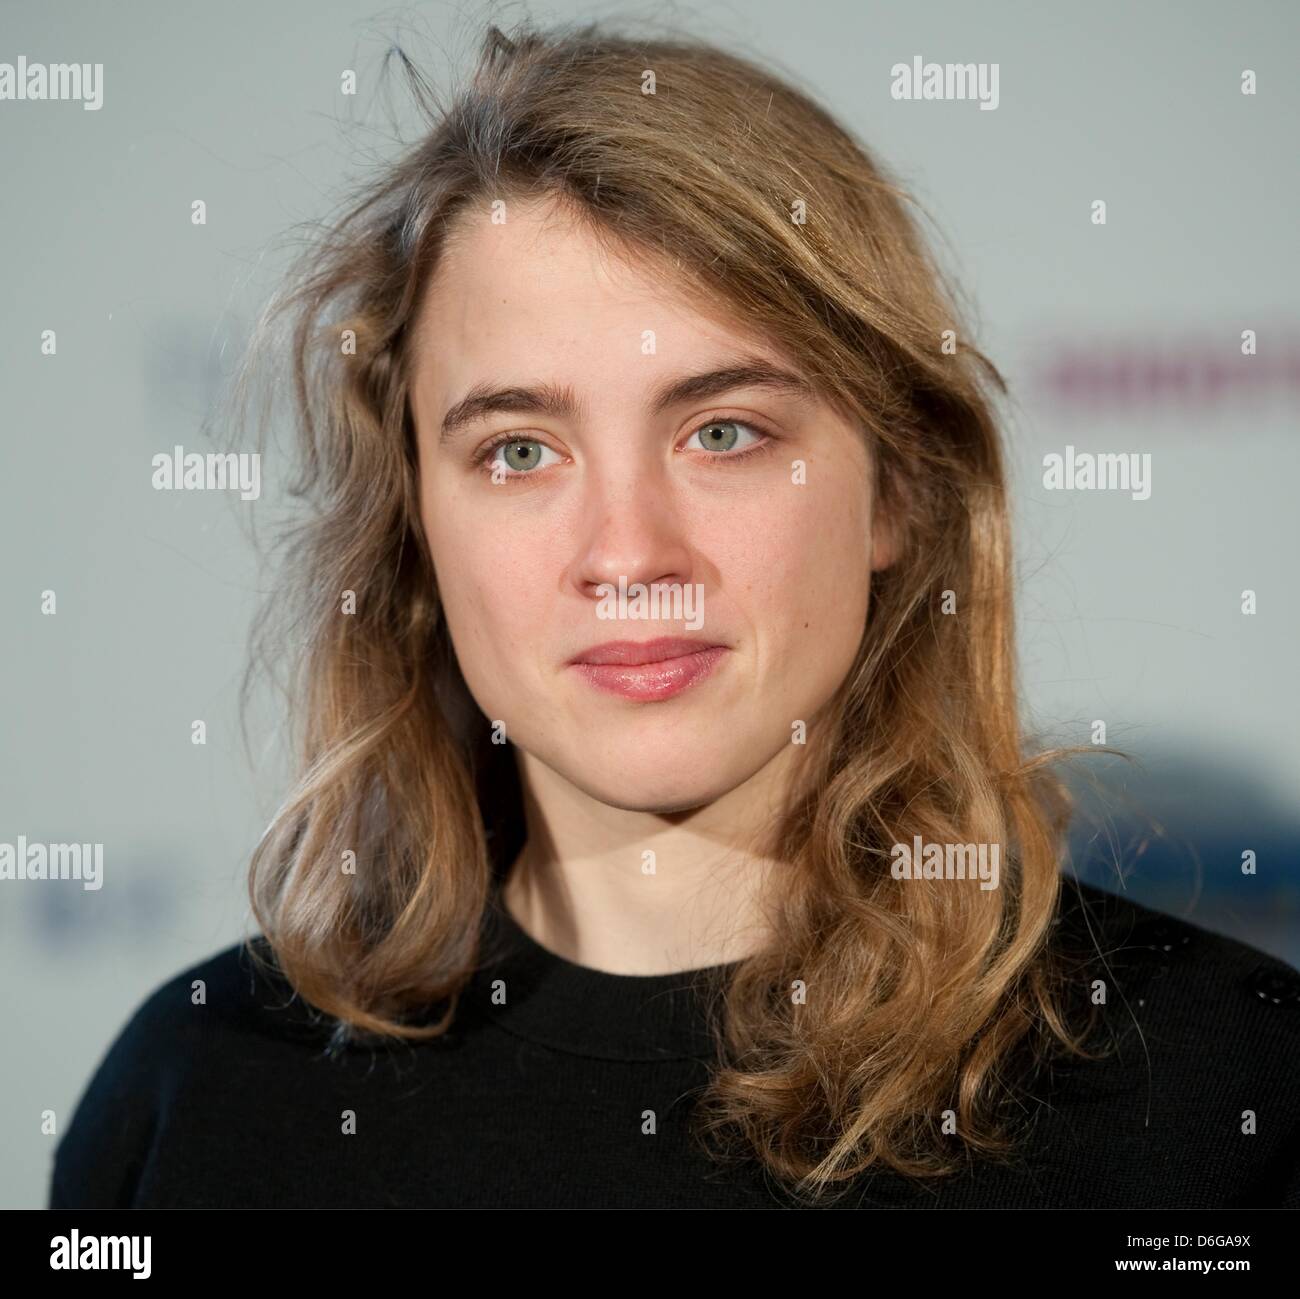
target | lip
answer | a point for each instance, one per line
(634, 653)
(648, 670)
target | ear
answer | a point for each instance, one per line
(887, 531)
(886, 539)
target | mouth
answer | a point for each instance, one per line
(648, 670)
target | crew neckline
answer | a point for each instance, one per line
(584, 1011)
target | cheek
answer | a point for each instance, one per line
(803, 557)
(493, 582)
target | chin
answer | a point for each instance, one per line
(677, 780)
(660, 794)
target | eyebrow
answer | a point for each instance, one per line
(560, 402)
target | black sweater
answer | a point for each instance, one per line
(542, 1101)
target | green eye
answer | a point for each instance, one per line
(722, 435)
(521, 456)
(515, 457)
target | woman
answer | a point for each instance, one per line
(665, 833)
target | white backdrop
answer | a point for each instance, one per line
(1130, 610)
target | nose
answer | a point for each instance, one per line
(633, 527)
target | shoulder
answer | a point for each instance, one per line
(201, 1018)
(1187, 1088)
(1224, 1002)
(238, 990)
(1112, 926)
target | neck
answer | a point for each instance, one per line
(631, 892)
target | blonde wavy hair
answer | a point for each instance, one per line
(926, 997)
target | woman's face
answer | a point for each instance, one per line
(747, 505)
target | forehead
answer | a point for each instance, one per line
(528, 247)
(540, 296)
